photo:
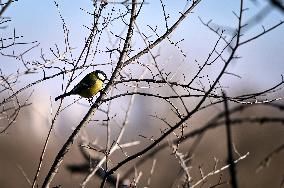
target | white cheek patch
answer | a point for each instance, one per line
(101, 76)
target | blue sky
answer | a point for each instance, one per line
(262, 60)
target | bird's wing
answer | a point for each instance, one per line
(85, 84)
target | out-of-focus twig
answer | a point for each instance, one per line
(266, 161)
(232, 167)
(24, 174)
(216, 171)
(278, 4)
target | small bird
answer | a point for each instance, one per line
(88, 87)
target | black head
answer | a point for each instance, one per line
(101, 75)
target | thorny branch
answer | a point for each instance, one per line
(161, 138)
(59, 158)
(162, 79)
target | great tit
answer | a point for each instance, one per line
(89, 86)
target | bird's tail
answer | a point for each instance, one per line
(63, 95)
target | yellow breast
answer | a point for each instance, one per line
(88, 93)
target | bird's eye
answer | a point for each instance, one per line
(101, 76)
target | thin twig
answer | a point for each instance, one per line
(4, 8)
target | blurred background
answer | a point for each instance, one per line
(259, 68)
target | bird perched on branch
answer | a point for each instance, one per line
(88, 87)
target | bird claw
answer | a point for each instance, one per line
(90, 100)
(102, 92)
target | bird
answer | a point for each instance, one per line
(88, 87)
